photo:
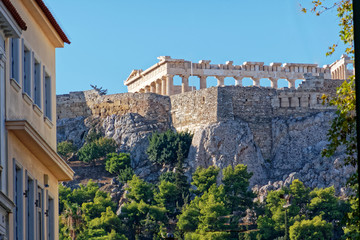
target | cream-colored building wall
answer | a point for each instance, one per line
(26, 160)
(44, 51)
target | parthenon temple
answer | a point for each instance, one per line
(159, 78)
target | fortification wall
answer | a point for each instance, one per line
(74, 104)
(257, 106)
(194, 109)
(89, 103)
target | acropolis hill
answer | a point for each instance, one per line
(263, 127)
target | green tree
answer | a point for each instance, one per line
(314, 229)
(163, 147)
(189, 220)
(97, 206)
(125, 175)
(115, 162)
(181, 180)
(272, 224)
(304, 205)
(236, 184)
(213, 209)
(87, 213)
(205, 216)
(138, 215)
(97, 149)
(204, 178)
(71, 223)
(325, 203)
(107, 226)
(79, 195)
(92, 136)
(167, 196)
(66, 148)
(167, 176)
(139, 190)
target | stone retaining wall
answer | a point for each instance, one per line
(191, 110)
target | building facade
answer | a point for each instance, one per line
(30, 167)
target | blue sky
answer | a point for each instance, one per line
(111, 38)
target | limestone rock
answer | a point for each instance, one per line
(131, 132)
(72, 129)
(227, 143)
(297, 147)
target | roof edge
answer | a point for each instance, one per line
(15, 14)
(52, 20)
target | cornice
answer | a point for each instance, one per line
(40, 148)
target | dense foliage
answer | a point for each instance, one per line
(210, 208)
(96, 149)
(163, 147)
(313, 229)
(316, 209)
(216, 210)
(87, 213)
(115, 162)
(66, 148)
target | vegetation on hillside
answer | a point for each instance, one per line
(163, 147)
(213, 206)
(66, 148)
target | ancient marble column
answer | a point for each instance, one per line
(152, 87)
(202, 81)
(220, 80)
(163, 86)
(147, 89)
(291, 83)
(238, 81)
(158, 86)
(256, 81)
(274, 82)
(184, 83)
(141, 90)
(169, 84)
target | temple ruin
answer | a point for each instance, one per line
(159, 78)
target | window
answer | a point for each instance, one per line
(27, 71)
(47, 95)
(2, 128)
(18, 200)
(37, 83)
(50, 219)
(14, 61)
(30, 208)
(39, 214)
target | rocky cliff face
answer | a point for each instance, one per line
(227, 143)
(296, 154)
(294, 136)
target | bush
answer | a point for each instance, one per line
(125, 175)
(92, 136)
(163, 147)
(167, 176)
(316, 228)
(106, 145)
(116, 162)
(66, 148)
(204, 178)
(96, 149)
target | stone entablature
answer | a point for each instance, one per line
(159, 78)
